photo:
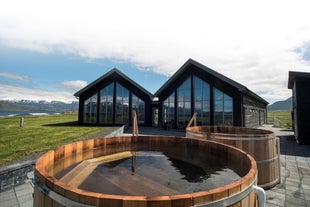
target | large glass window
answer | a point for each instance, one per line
(122, 105)
(168, 111)
(90, 109)
(106, 105)
(184, 103)
(139, 106)
(202, 101)
(223, 108)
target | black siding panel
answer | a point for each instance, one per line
(81, 109)
(254, 112)
(303, 110)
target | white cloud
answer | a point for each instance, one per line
(13, 76)
(72, 85)
(24, 93)
(252, 42)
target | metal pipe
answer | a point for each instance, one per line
(261, 195)
(279, 162)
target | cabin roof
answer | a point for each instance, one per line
(190, 62)
(103, 77)
(170, 82)
(295, 74)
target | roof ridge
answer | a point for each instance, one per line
(110, 72)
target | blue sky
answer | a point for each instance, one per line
(51, 49)
(63, 73)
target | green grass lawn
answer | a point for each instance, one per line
(39, 134)
(280, 119)
(43, 133)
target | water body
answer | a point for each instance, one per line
(149, 173)
(21, 113)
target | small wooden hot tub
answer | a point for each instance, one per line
(50, 191)
(261, 144)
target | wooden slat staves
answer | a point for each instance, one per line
(135, 129)
(100, 199)
(259, 143)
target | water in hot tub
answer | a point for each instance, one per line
(149, 173)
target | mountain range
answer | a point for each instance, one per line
(281, 105)
(38, 106)
(60, 107)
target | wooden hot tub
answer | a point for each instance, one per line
(261, 144)
(50, 191)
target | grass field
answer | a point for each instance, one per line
(39, 134)
(42, 133)
(280, 119)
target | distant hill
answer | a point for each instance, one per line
(38, 106)
(281, 105)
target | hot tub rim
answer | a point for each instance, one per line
(268, 134)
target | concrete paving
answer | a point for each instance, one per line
(18, 196)
(294, 189)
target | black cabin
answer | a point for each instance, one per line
(110, 99)
(217, 100)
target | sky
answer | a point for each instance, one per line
(51, 49)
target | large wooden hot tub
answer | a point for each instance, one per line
(51, 191)
(261, 144)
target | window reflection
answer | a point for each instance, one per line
(90, 109)
(139, 106)
(223, 108)
(122, 105)
(184, 103)
(168, 111)
(106, 105)
(202, 101)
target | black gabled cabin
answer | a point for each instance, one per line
(217, 100)
(110, 99)
(299, 82)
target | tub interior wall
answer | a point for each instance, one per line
(77, 152)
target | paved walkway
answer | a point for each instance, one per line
(294, 189)
(19, 196)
